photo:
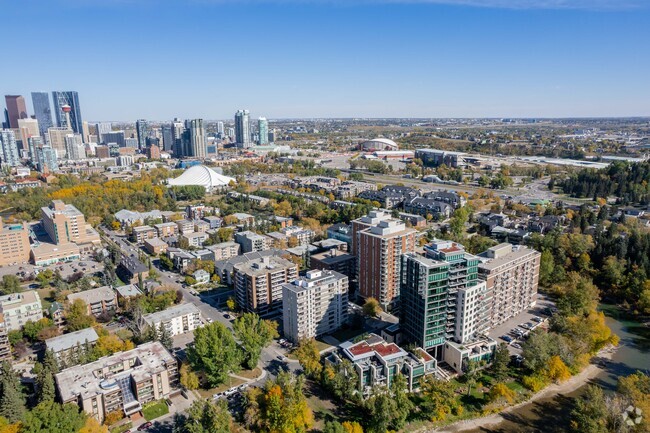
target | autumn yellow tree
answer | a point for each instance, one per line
(189, 379)
(500, 392)
(352, 427)
(557, 370)
(93, 426)
(309, 357)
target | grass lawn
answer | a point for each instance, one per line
(250, 374)
(122, 428)
(321, 345)
(207, 393)
(347, 334)
(155, 410)
(46, 299)
(516, 386)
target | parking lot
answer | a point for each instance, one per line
(506, 328)
(85, 265)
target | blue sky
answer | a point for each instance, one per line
(158, 59)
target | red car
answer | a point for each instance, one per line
(145, 426)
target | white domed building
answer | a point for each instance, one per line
(202, 176)
(378, 144)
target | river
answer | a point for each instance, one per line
(552, 414)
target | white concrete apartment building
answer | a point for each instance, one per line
(512, 277)
(252, 242)
(314, 305)
(123, 382)
(19, 308)
(472, 312)
(177, 319)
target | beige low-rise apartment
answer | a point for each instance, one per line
(19, 308)
(100, 300)
(122, 382)
(512, 277)
(14, 243)
(224, 250)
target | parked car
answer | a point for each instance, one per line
(145, 426)
(516, 345)
(506, 338)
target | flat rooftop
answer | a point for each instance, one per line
(171, 313)
(67, 341)
(92, 296)
(518, 252)
(95, 378)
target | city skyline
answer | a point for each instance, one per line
(386, 59)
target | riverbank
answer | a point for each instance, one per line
(589, 373)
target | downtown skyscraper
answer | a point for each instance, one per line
(197, 138)
(242, 129)
(71, 99)
(263, 131)
(42, 111)
(16, 109)
(142, 131)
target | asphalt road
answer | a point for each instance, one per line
(211, 307)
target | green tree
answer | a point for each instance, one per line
(500, 362)
(546, 268)
(380, 409)
(12, 402)
(53, 417)
(439, 398)
(77, 316)
(165, 337)
(589, 414)
(341, 379)
(205, 416)
(45, 372)
(578, 295)
(280, 407)
(403, 405)
(334, 427)
(309, 357)
(253, 334)
(10, 284)
(214, 352)
(458, 221)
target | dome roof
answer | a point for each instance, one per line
(202, 176)
(383, 142)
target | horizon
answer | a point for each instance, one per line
(328, 59)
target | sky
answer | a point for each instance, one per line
(160, 59)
